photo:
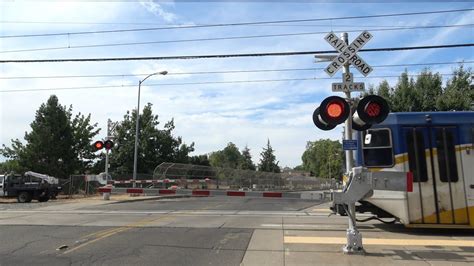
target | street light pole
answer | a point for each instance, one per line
(135, 154)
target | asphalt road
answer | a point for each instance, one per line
(37, 245)
(142, 239)
(209, 231)
(214, 203)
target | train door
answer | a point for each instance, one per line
(438, 195)
(2, 177)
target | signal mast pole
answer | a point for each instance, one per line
(348, 123)
(107, 150)
(353, 235)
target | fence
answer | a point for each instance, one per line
(80, 185)
(190, 176)
(227, 178)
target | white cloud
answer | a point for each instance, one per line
(210, 115)
(158, 11)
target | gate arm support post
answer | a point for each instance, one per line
(362, 184)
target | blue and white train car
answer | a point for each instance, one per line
(438, 148)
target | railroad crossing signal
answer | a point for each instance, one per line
(99, 145)
(348, 54)
(335, 110)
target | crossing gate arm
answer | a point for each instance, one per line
(207, 193)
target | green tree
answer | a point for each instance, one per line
(426, 93)
(83, 133)
(459, 92)
(323, 158)
(404, 96)
(428, 87)
(268, 161)
(11, 166)
(155, 145)
(246, 162)
(384, 91)
(299, 168)
(56, 145)
(229, 157)
(200, 160)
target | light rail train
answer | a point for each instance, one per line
(438, 148)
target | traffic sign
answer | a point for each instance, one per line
(349, 144)
(347, 54)
(343, 87)
(348, 84)
(111, 129)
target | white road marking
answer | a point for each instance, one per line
(379, 241)
(325, 226)
(177, 212)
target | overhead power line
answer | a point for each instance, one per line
(222, 72)
(200, 83)
(223, 38)
(245, 23)
(214, 56)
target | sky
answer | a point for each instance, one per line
(217, 110)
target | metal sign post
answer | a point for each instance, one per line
(111, 127)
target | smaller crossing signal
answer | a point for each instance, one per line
(370, 110)
(333, 111)
(108, 144)
(98, 145)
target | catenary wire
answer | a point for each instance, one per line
(225, 72)
(255, 23)
(219, 39)
(215, 56)
(205, 83)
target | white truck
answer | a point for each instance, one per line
(29, 186)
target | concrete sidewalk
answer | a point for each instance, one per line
(308, 247)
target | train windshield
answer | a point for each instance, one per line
(377, 148)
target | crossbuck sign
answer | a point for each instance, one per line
(348, 54)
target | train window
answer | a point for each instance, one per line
(416, 155)
(448, 171)
(378, 152)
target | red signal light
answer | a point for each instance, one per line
(334, 109)
(373, 109)
(108, 144)
(370, 110)
(98, 145)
